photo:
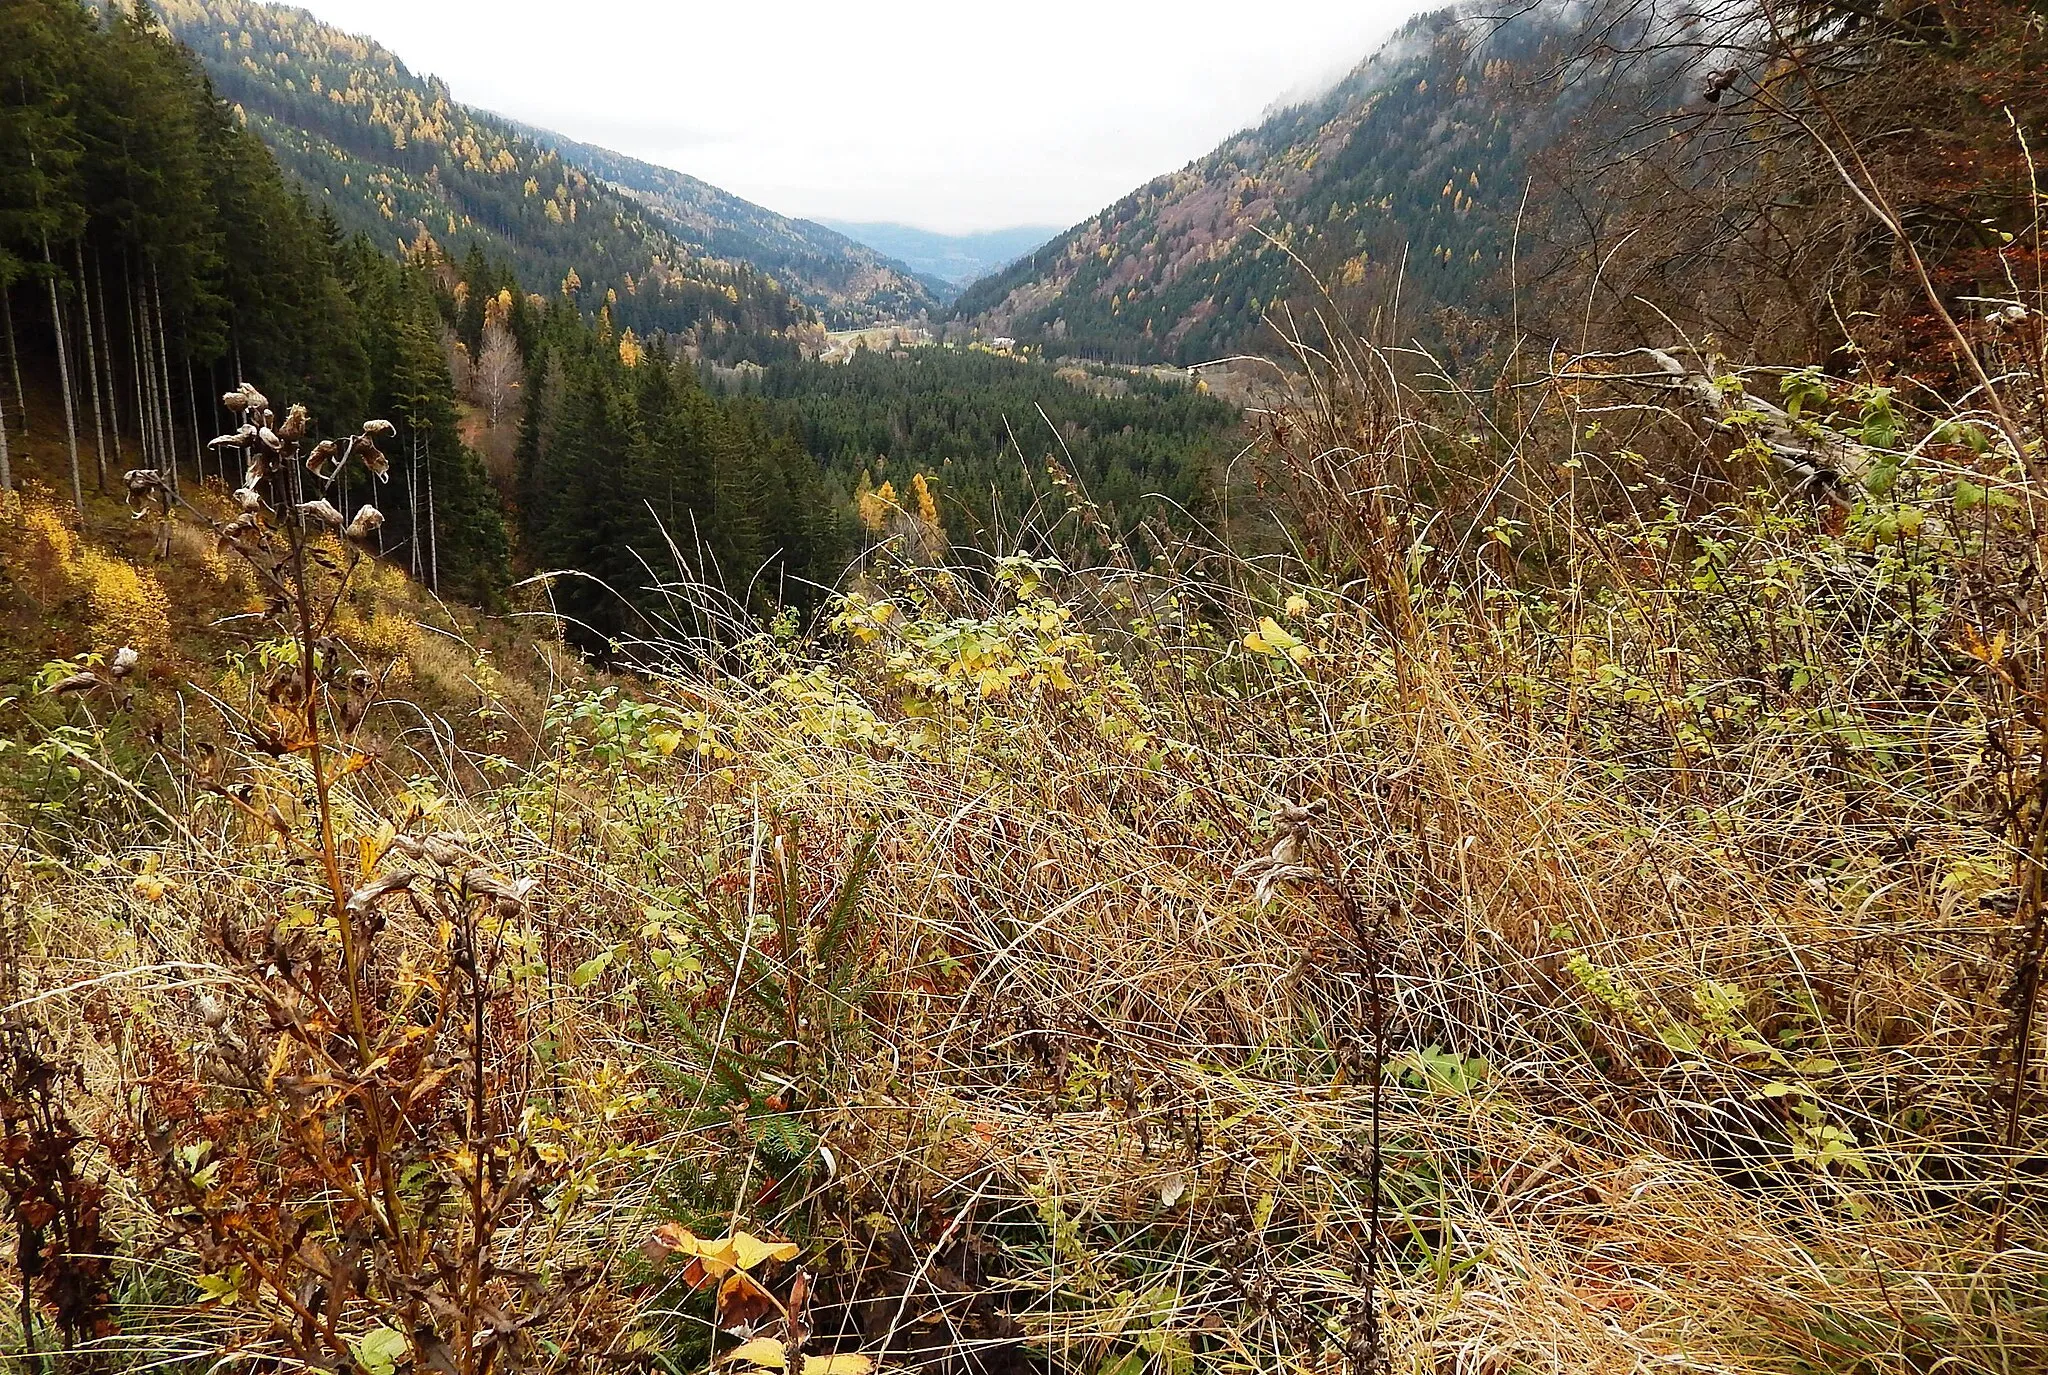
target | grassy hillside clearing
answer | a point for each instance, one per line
(1582, 920)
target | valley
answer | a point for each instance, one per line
(1419, 746)
(954, 260)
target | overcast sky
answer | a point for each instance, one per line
(949, 114)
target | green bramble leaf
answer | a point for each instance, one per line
(379, 1351)
(1804, 388)
(591, 970)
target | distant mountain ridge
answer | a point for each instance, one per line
(394, 154)
(844, 277)
(955, 260)
(1402, 178)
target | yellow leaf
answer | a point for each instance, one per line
(749, 1251)
(1297, 605)
(1270, 638)
(763, 1351)
(716, 1257)
(837, 1365)
(1270, 631)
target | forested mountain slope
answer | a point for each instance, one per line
(849, 283)
(395, 155)
(1407, 172)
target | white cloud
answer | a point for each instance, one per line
(950, 114)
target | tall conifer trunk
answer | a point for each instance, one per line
(92, 369)
(142, 432)
(192, 414)
(412, 503)
(214, 387)
(433, 531)
(163, 362)
(13, 359)
(64, 380)
(6, 467)
(146, 360)
(99, 297)
(145, 372)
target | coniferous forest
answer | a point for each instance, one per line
(635, 467)
(981, 427)
(632, 474)
(154, 256)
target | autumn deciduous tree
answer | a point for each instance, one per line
(498, 371)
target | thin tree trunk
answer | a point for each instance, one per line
(146, 360)
(13, 359)
(163, 360)
(99, 298)
(159, 451)
(239, 376)
(158, 440)
(192, 400)
(433, 529)
(64, 381)
(143, 435)
(214, 388)
(6, 468)
(92, 368)
(412, 502)
(202, 401)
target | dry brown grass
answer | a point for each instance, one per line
(1707, 863)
